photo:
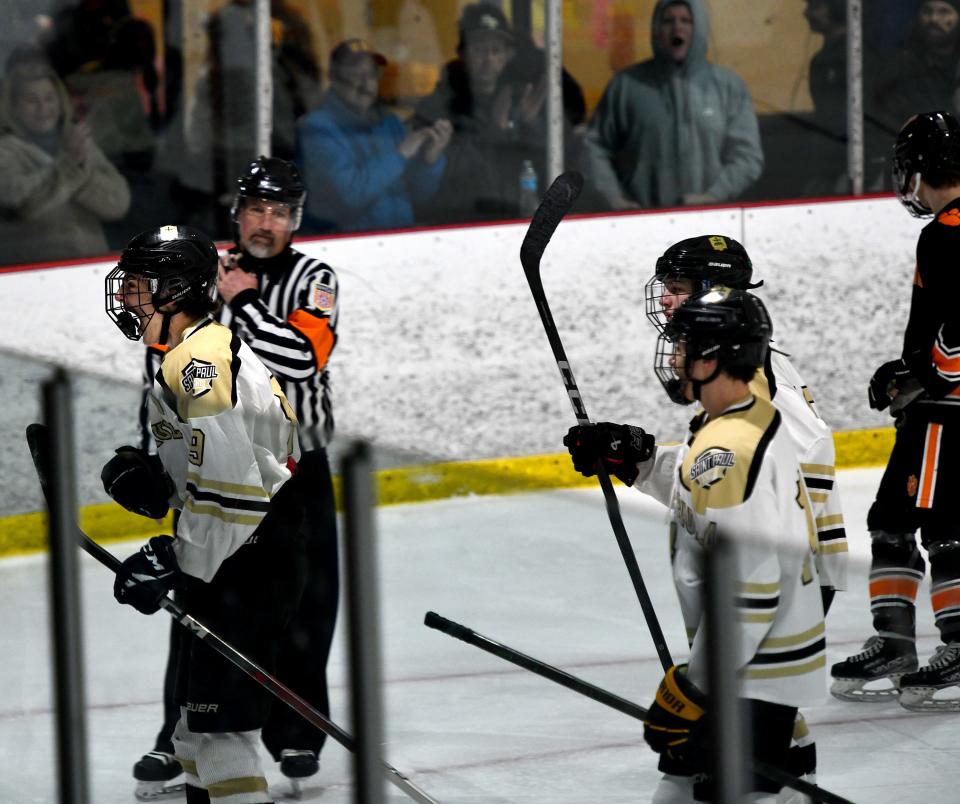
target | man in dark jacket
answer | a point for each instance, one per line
(494, 94)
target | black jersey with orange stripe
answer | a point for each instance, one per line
(931, 342)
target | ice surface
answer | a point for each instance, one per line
(540, 573)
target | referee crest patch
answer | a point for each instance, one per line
(197, 377)
(322, 296)
(711, 466)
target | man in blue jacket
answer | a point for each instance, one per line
(362, 169)
(674, 130)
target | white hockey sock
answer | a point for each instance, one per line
(228, 765)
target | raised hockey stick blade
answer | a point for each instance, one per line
(554, 206)
(38, 440)
(600, 695)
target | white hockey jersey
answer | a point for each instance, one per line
(224, 432)
(781, 383)
(739, 477)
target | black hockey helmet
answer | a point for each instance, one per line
(272, 179)
(728, 325)
(706, 260)
(179, 265)
(927, 146)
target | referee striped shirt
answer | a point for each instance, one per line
(290, 323)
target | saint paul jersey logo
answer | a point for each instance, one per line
(198, 377)
(711, 466)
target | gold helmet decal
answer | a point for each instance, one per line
(718, 243)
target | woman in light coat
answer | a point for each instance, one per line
(56, 186)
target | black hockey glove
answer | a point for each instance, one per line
(144, 579)
(621, 446)
(138, 481)
(676, 725)
(892, 375)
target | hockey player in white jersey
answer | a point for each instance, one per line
(698, 263)
(285, 306)
(227, 440)
(738, 476)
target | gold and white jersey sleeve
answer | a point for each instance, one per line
(225, 434)
(740, 480)
(813, 442)
(658, 474)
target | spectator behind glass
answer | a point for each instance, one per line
(361, 167)
(232, 87)
(81, 32)
(675, 129)
(494, 94)
(119, 96)
(923, 73)
(825, 166)
(57, 185)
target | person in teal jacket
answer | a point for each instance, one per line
(674, 130)
(363, 170)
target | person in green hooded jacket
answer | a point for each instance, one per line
(674, 130)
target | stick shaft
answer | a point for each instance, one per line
(554, 206)
(35, 438)
(600, 695)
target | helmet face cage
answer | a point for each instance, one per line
(704, 261)
(728, 325)
(130, 322)
(179, 265)
(272, 180)
(906, 172)
(656, 290)
(926, 145)
(665, 361)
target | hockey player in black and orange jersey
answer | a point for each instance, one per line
(737, 476)
(226, 437)
(285, 306)
(917, 491)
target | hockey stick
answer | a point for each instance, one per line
(600, 695)
(38, 441)
(554, 206)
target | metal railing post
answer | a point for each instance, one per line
(263, 77)
(65, 615)
(363, 612)
(855, 139)
(553, 37)
(730, 739)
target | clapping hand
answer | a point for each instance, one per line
(76, 144)
(530, 101)
(412, 143)
(438, 138)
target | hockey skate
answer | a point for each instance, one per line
(155, 774)
(917, 690)
(883, 660)
(297, 765)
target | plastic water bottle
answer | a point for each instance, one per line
(529, 194)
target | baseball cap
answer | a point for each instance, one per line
(483, 18)
(350, 50)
